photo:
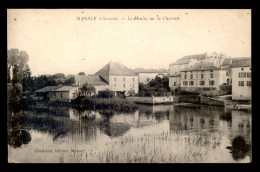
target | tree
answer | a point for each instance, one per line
(58, 76)
(157, 87)
(18, 72)
(69, 81)
(81, 73)
(87, 88)
(106, 94)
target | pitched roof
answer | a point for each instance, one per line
(142, 70)
(239, 59)
(94, 80)
(202, 67)
(65, 88)
(114, 68)
(47, 89)
(227, 61)
(187, 59)
(241, 62)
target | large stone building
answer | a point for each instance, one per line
(241, 79)
(113, 76)
(203, 75)
(187, 62)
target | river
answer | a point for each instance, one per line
(151, 134)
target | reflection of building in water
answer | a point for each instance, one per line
(145, 115)
(194, 117)
(241, 125)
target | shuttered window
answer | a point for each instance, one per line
(241, 83)
(242, 74)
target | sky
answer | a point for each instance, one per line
(57, 42)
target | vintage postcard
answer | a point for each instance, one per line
(129, 86)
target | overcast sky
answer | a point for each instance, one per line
(57, 42)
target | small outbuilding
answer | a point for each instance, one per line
(64, 93)
(45, 93)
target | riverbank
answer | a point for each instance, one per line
(118, 104)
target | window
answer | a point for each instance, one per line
(211, 82)
(240, 83)
(202, 82)
(114, 78)
(202, 75)
(211, 75)
(242, 74)
(133, 79)
(197, 75)
(191, 76)
(249, 74)
(185, 76)
(248, 83)
(124, 79)
(73, 95)
(124, 85)
(174, 84)
(191, 82)
(60, 95)
(185, 82)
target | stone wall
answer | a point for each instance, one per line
(199, 100)
(211, 101)
(152, 100)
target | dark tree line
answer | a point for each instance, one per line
(20, 81)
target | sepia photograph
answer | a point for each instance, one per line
(129, 86)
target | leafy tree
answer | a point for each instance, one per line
(87, 88)
(81, 73)
(69, 81)
(106, 94)
(18, 73)
(58, 76)
(157, 87)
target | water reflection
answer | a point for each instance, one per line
(203, 127)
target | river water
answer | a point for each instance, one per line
(151, 134)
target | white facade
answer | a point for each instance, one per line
(202, 79)
(241, 83)
(174, 81)
(124, 83)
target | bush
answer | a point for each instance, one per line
(106, 94)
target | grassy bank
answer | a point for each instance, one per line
(118, 104)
